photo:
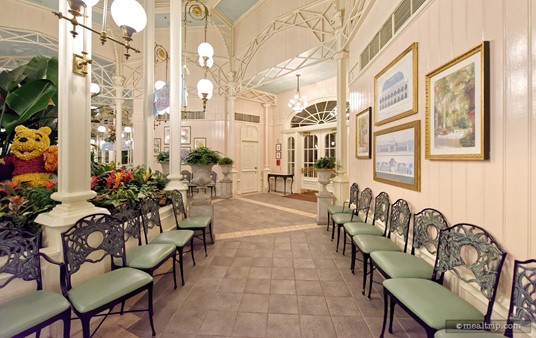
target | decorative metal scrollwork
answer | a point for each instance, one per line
(363, 204)
(523, 302)
(472, 254)
(426, 227)
(129, 215)
(20, 251)
(178, 203)
(400, 217)
(381, 208)
(82, 244)
(354, 193)
(150, 214)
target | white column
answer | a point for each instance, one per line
(148, 85)
(74, 134)
(175, 97)
(118, 82)
(266, 169)
(231, 108)
(340, 182)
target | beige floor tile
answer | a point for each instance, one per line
(257, 286)
(260, 273)
(283, 273)
(283, 263)
(237, 272)
(308, 288)
(283, 326)
(335, 289)
(242, 261)
(342, 306)
(282, 287)
(305, 274)
(303, 263)
(233, 285)
(312, 305)
(226, 302)
(254, 303)
(287, 304)
(351, 327)
(317, 327)
(218, 323)
(262, 262)
(250, 325)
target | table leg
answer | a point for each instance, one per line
(284, 186)
(291, 184)
(268, 178)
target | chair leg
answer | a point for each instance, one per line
(352, 263)
(150, 307)
(327, 228)
(371, 277)
(211, 233)
(38, 333)
(365, 271)
(332, 229)
(344, 241)
(204, 241)
(391, 313)
(85, 327)
(192, 249)
(181, 265)
(174, 271)
(385, 305)
(338, 237)
(122, 308)
(67, 324)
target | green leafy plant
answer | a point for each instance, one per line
(325, 163)
(225, 161)
(202, 156)
(163, 156)
(28, 96)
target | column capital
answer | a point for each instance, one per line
(343, 54)
(266, 105)
(118, 80)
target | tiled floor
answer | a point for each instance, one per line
(271, 273)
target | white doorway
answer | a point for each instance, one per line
(249, 159)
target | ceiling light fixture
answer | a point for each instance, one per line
(298, 102)
(129, 15)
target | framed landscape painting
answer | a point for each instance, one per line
(363, 135)
(457, 108)
(395, 88)
(397, 154)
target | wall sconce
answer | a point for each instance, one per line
(129, 15)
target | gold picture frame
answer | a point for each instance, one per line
(457, 108)
(363, 134)
(396, 87)
(397, 155)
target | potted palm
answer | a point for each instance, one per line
(201, 160)
(324, 167)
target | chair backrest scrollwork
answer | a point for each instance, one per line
(150, 215)
(354, 193)
(426, 227)
(381, 209)
(178, 206)
(91, 239)
(473, 255)
(363, 203)
(19, 253)
(399, 220)
(522, 311)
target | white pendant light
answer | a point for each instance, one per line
(209, 62)
(129, 13)
(90, 3)
(205, 49)
(298, 102)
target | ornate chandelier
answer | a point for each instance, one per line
(298, 102)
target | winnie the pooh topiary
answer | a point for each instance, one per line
(32, 157)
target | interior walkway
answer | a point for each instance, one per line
(271, 273)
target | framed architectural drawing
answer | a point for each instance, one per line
(166, 135)
(157, 145)
(397, 158)
(395, 88)
(186, 135)
(457, 108)
(200, 142)
(363, 135)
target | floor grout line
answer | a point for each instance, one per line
(273, 206)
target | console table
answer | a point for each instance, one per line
(284, 177)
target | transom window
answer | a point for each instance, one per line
(318, 113)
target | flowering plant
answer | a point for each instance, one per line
(20, 204)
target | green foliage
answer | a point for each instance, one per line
(225, 161)
(163, 156)
(127, 185)
(21, 205)
(468, 140)
(28, 96)
(325, 163)
(202, 156)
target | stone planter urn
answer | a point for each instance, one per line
(324, 177)
(201, 177)
(165, 168)
(226, 170)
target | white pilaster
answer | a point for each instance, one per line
(175, 97)
(118, 82)
(148, 85)
(266, 169)
(74, 134)
(231, 145)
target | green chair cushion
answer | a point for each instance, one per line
(466, 334)
(337, 209)
(103, 289)
(361, 228)
(196, 222)
(179, 238)
(342, 218)
(401, 265)
(371, 243)
(149, 256)
(431, 302)
(30, 310)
